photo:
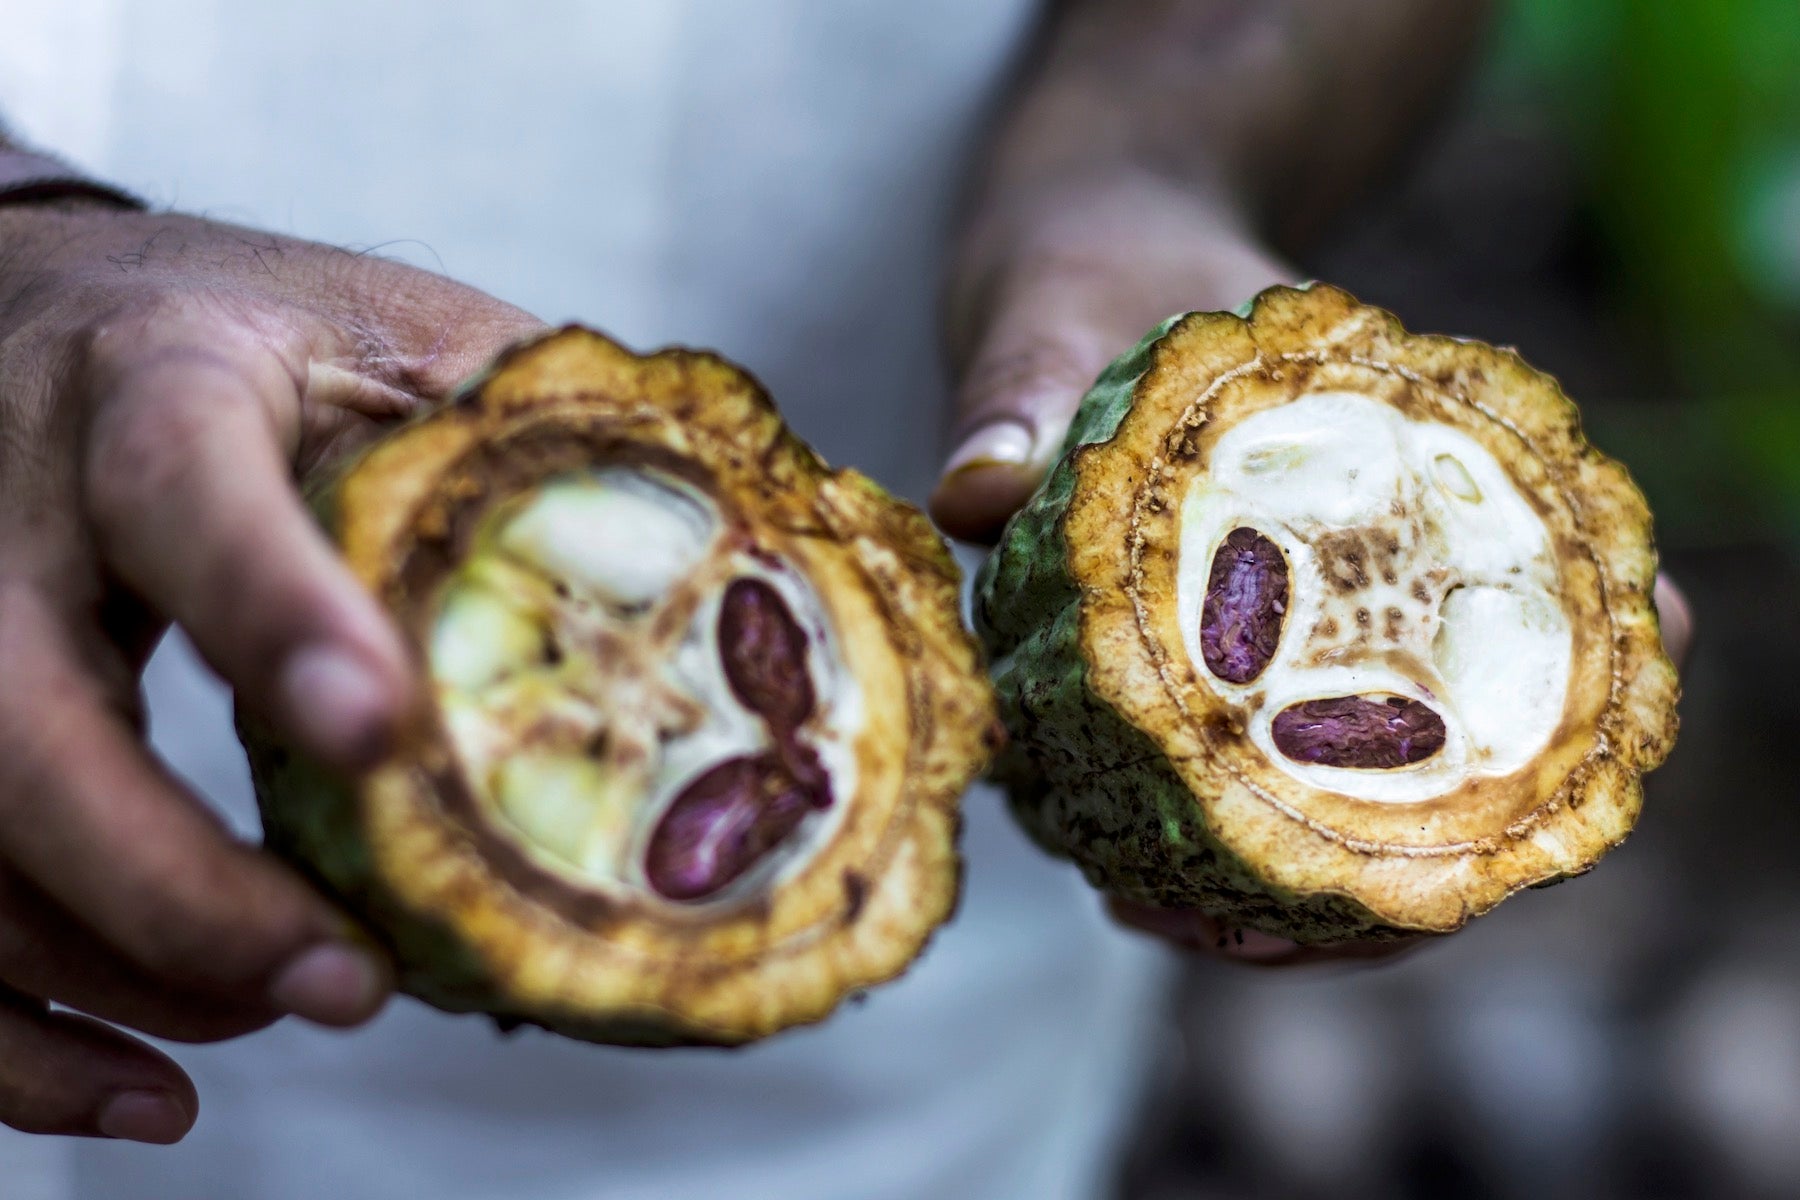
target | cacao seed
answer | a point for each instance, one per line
(1246, 596)
(764, 653)
(725, 822)
(1356, 731)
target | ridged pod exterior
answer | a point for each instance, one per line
(472, 925)
(1124, 759)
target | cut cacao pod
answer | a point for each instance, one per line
(1327, 629)
(701, 708)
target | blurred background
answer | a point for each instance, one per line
(1618, 195)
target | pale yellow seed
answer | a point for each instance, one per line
(481, 637)
(553, 799)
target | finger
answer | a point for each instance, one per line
(1056, 328)
(44, 952)
(1036, 312)
(188, 486)
(65, 1074)
(1677, 619)
(1192, 929)
(433, 338)
(96, 824)
(458, 331)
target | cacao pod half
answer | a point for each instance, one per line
(1330, 630)
(701, 708)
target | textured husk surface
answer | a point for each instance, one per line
(1122, 760)
(469, 937)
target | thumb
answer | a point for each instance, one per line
(1032, 326)
(1043, 348)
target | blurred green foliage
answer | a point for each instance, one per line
(1685, 117)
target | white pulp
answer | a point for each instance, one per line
(619, 533)
(570, 720)
(1487, 647)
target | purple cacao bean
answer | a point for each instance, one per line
(764, 653)
(1246, 596)
(1357, 731)
(727, 821)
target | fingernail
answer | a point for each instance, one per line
(146, 1116)
(1001, 444)
(337, 704)
(332, 984)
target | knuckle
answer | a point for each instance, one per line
(39, 713)
(42, 955)
(143, 448)
(1038, 368)
(422, 333)
(198, 929)
(106, 341)
(199, 951)
(193, 330)
(136, 454)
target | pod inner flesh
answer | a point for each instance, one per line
(1417, 570)
(577, 664)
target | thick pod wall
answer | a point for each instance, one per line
(1328, 629)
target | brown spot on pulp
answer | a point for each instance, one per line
(1344, 559)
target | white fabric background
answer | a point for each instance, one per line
(770, 177)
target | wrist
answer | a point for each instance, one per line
(46, 204)
(1152, 246)
(28, 177)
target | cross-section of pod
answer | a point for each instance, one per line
(701, 709)
(1331, 630)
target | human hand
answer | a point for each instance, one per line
(162, 379)
(1041, 299)
(1043, 292)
